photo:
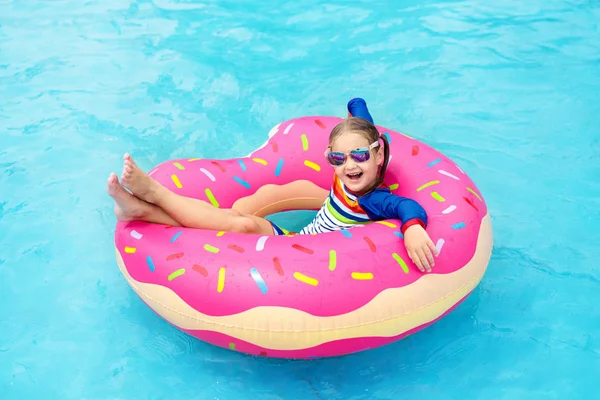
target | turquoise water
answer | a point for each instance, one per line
(509, 89)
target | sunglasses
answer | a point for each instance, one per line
(361, 155)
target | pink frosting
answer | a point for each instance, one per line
(266, 272)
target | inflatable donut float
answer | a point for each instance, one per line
(307, 296)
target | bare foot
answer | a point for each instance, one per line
(137, 181)
(127, 207)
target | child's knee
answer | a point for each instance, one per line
(244, 225)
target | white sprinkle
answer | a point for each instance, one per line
(210, 176)
(441, 171)
(274, 130)
(152, 172)
(288, 128)
(449, 209)
(389, 158)
(439, 245)
(136, 235)
(260, 244)
(459, 169)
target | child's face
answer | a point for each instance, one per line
(357, 176)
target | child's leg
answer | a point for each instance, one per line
(189, 212)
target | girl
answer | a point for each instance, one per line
(357, 196)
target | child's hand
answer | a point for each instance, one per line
(420, 247)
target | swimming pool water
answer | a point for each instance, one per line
(509, 89)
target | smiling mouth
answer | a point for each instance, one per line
(355, 176)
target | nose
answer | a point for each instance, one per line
(350, 163)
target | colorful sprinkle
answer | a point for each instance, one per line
(211, 197)
(399, 234)
(439, 245)
(242, 165)
(260, 161)
(332, 260)
(262, 354)
(259, 280)
(449, 209)
(437, 196)
(152, 172)
(459, 225)
(457, 167)
(232, 346)
(174, 238)
(193, 159)
(216, 164)
(471, 203)
(279, 166)
(346, 233)
(274, 146)
(136, 235)
(260, 243)
(394, 186)
(201, 270)
(242, 182)
(427, 185)
(287, 128)
(205, 172)
(174, 256)
(304, 142)
(441, 171)
(306, 279)
(474, 193)
(385, 223)
(312, 165)
(235, 247)
(219, 234)
(179, 166)
(318, 122)
(175, 180)
(432, 163)
(175, 274)
(388, 137)
(130, 250)
(221, 282)
(277, 265)
(303, 249)
(211, 249)
(150, 263)
(362, 276)
(415, 150)
(370, 244)
(400, 261)
(274, 130)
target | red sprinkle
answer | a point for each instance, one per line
(222, 168)
(371, 244)
(174, 256)
(201, 270)
(471, 203)
(277, 265)
(303, 249)
(236, 248)
(318, 122)
(274, 146)
(263, 353)
(169, 227)
(415, 150)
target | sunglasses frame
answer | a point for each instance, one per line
(349, 154)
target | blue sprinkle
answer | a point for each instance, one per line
(399, 234)
(314, 357)
(279, 165)
(242, 165)
(346, 233)
(259, 280)
(242, 182)
(389, 138)
(459, 225)
(431, 164)
(174, 238)
(150, 263)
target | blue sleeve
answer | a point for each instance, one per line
(357, 107)
(380, 204)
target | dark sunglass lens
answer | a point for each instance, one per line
(360, 155)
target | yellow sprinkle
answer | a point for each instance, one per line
(306, 279)
(221, 283)
(260, 161)
(304, 142)
(437, 196)
(130, 250)
(427, 185)
(332, 260)
(179, 166)
(211, 197)
(210, 248)
(389, 224)
(312, 165)
(394, 186)
(232, 346)
(176, 181)
(220, 233)
(362, 276)
(193, 159)
(472, 191)
(400, 261)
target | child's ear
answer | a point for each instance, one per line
(379, 156)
